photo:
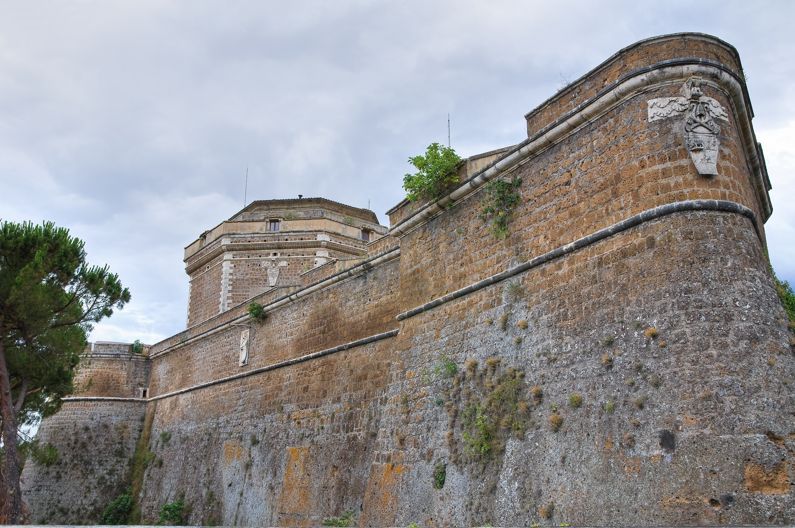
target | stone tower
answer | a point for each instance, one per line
(270, 244)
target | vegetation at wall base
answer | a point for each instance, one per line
(346, 519)
(439, 475)
(172, 514)
(119, 510)
(436, 171)
(49, 299)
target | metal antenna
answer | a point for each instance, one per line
(245, 189)
(448, 130)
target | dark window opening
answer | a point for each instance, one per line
(273, 225)
(366, 235)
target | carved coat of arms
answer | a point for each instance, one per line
(272, 269)
(701, 130)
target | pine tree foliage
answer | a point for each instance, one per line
(49, 299)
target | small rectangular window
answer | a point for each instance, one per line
(273, 225)
(366, 235)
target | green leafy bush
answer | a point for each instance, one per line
(118, 511)
(257, 311)
(436, 171)
(137, 347)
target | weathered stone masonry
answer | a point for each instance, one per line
(620, 358)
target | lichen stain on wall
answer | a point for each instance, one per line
(773, 481)
(380, 500)
(294, 499)
(233, 451)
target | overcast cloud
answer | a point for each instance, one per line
(132, 123)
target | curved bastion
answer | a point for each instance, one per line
(619, 357)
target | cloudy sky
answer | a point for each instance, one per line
(132, 123)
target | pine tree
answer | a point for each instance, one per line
(49, 298)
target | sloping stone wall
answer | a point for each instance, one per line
(95, 441)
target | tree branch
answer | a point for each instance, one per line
(21, 398)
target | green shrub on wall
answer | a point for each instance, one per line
(257, 311)
(501, 199)
(436, 171)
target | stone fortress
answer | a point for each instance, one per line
(619, 358)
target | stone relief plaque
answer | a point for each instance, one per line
(243, 347)
(701, 130)
(272, 269)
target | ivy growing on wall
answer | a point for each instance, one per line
(502, 197)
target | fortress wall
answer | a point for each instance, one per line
(715, 382)
(95, 441)
(672, 430)
(382, 245)
(329, 269)
(355, 308)
(284, 448)
(626, 62)
(111, 376)
(617, 166)
(205, 297)
(659, 350)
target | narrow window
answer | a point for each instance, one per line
(273, 225)
(366, 235)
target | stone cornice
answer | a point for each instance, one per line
(218, 247)
(111, 355)
(628, 223)
(617, 56)
(281, 364)
(103, 398)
